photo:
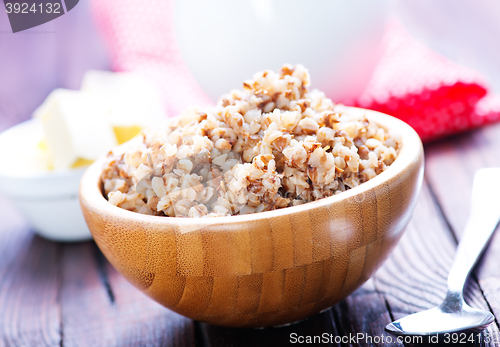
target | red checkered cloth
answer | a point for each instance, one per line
(434, 95)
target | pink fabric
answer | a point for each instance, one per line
(141, 38)
(434, 95)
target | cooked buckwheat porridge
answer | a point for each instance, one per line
(273, 144)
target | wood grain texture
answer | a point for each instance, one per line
(466, 154)
(320, 325)
(414, 278)
(29, 284)
(288, 264)
(100, 308)
(55, 294)
(364, 312)
(69, 301)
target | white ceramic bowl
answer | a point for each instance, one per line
(48, 199)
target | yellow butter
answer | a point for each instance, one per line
(80, 162)
(43, 149)
(42, 145)
(75, 126)
(125, 133)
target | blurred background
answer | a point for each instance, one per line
(433, 64)
(38, 60)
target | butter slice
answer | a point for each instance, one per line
(125, 133)
(76, 128)
(131, 101)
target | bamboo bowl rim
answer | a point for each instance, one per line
(411, 147)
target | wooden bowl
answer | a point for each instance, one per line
(268, 268)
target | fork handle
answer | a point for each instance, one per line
(483, 220)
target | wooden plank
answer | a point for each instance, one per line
(466, 154)
(280, 336)
(414, 277)
(100, 308)
(364, 312)
(29, 284)
(67, 294)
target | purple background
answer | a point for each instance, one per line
(35, 61)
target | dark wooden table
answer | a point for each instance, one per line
(58, 294)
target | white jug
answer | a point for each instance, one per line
(224, 42)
